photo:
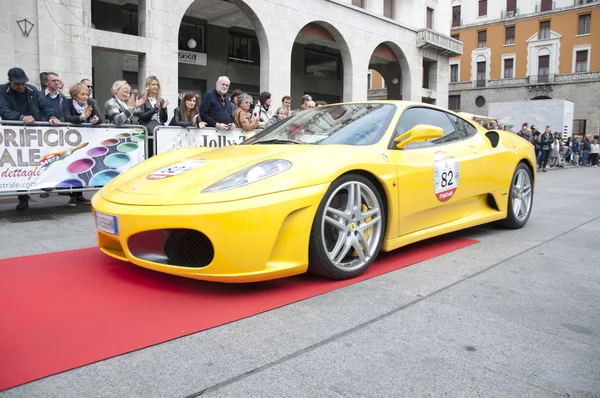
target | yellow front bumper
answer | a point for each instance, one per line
(255, 239)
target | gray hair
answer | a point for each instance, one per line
(118, 85)
(245, 97)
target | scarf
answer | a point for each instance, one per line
(79, 108)
(121, 104)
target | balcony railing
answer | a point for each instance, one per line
(541, 79)
(582, 2)
(538, 7)
(514, 81)
(456, 22)
(450, 47)
(523, 81)
(575, 77)
(507, 14)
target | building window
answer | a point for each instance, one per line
(585, 21)
(244, 49)
(358, 3)
(369, 80)
(480, 101)
(546, 5)
(426, 73)
(511, 8)
(456, 36)
(191, 30)
(129, 22)
(454, 102)
(543, 68)
(482, 39)
(509, 68)
(579, 127)
(482, 8)
(456, 18)
(322, 64)
(429, 18)
(581, 61)
(454, 73)
(481, 69)
(509, 35)
(544, 30)
(388, 8)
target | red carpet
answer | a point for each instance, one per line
(68, 309)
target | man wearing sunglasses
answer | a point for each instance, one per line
(90, 87)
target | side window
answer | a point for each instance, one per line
(413, 116)
(465, 129)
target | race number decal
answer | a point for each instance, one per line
(446, 175)
(175, 169)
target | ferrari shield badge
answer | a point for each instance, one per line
(175, 169)
(446, 175)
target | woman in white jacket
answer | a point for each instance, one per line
(263, 111)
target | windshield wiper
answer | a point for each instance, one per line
(277, 141)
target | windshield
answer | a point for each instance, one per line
(348, 124)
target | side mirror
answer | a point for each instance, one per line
(419, 133)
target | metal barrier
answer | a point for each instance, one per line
(41, 157)
(170, 138)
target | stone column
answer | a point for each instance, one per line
(443, 80)
(375, 6)
(157, 23)
(275, 63)
(62, 40)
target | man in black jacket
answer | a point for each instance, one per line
(24, 102)
(546, 141)
(215, 108)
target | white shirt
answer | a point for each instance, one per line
(155, 116)
(47, 92)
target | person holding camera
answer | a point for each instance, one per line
(242, 116)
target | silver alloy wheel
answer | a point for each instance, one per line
(351, 226)
(522, 193)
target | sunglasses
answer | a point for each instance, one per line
(92, 87)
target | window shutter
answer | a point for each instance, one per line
(482, 7)
(581, 56)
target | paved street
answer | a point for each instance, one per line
(516, 315)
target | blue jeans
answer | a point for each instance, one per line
(586, 157)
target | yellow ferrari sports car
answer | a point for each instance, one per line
(322, 191)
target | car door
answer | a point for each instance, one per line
(432, 189)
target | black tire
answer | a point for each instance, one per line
(351, 232)
(512, 220)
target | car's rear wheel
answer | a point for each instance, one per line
(348, 229)
(520, 198)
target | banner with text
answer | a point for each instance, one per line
(170, 138)
(36, 157)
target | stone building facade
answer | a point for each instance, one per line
(132, 39)
(527, 50)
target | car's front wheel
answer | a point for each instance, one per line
(520, 198)
(348, 229)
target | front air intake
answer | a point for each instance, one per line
(188, 248)
(177, 247)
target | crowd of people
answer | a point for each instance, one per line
(21, 101)
(553, 151)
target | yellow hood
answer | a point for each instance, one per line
(311, 165)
